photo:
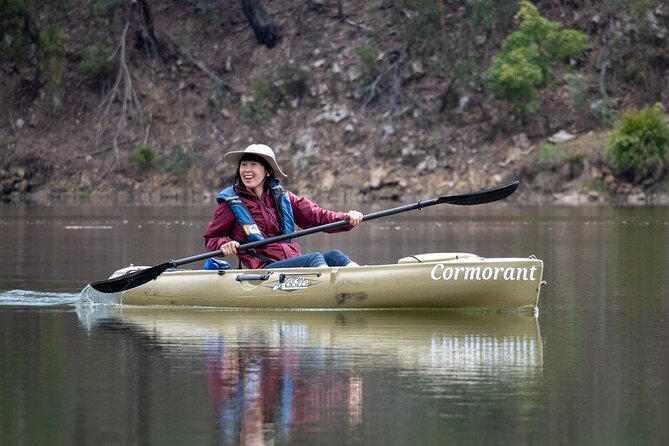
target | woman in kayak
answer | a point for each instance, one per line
(256, 207)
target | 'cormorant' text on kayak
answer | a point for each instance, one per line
(443, 272)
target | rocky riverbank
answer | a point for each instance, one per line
(578, 176)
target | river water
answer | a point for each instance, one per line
(591, 368)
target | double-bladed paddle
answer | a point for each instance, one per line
(140, 277)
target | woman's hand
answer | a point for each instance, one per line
(354, 217)
(229, 248)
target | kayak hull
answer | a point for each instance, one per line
(437, 280)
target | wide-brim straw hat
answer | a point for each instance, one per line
(261, 150)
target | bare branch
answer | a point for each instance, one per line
(129, 102)
(96, 153)
(389, 80)
(358, 25)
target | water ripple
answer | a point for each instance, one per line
(37, 298)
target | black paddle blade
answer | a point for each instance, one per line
(483, 196)
(131, 280)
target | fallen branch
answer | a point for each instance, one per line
(96, 153)
(11, 120)
(390, 79)
(129, 102)
(358, 25)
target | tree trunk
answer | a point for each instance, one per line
(146, 34)
(266, 31)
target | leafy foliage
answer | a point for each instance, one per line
(253, 113)
(178, 160)
(639, 144)
(528, 55)
(638, 49)
(550, 154)
(368, 56)
(52, 54)
(32, 41)
(292, 83)
(96, 64)
(144, 156)
(452, 38)
(288, 83)
(577, 85)
(14, 27)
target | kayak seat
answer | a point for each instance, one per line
(436, 257)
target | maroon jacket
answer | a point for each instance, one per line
(224, 226)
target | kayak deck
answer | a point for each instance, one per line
(434, 280)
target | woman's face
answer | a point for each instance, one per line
(252, 174)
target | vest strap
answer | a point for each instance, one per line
(251, 231)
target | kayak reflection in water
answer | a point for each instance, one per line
(256, 207)
(261, 393)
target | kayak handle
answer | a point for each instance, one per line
(245, 277)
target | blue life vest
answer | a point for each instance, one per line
(281, 202)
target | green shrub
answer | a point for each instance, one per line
(420, 25)
(639, 144)
(595, 185)
(603, 112)
(261, 90)
(527, 55)
(253, 113)
(105, 8)
(144, 156)
(96, 65)
(577, 85)
(292, 83)
(15, 41)
(550, 154)
(178, 160)
(370, 67)
(513, 77)
(52, 55)
(451, 39)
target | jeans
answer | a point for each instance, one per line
(333, 257)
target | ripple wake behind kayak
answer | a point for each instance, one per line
(37, 298)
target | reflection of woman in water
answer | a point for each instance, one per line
(225, 387)
(241, 387)
(252, 404)
(255, 389)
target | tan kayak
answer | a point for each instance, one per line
(437, 280)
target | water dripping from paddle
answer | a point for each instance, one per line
(94, 307)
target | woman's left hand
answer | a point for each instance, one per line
(354, 217)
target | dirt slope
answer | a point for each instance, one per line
(212, 88)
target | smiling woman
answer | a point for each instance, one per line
(256, 207)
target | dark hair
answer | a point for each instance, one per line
(259, 159)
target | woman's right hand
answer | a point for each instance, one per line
(229, 248)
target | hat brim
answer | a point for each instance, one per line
(234, 156)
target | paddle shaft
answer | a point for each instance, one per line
(140, 277)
